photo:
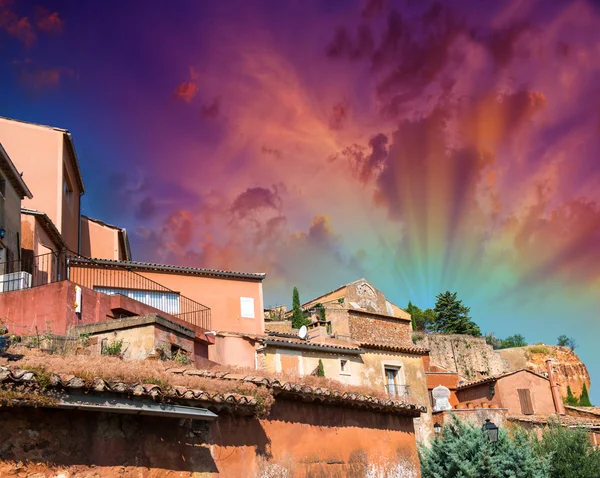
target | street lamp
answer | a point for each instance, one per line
(437, 428)
(491, 429)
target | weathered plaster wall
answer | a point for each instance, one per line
(303, 439)
(475, 416)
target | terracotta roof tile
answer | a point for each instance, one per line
(314, 394)
(497, 377)
(565, 420)
(153, 391)
(395, 348)
(172, 268)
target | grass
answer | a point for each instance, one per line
(538, 349)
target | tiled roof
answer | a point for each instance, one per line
(497, 377)
(301, 343)
(564, 420)
(395, 348)
(232, 401)
(311, 393)
(177, 269)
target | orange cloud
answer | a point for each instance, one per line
(186, 91)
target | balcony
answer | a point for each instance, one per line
(50, 268)
(398, 392)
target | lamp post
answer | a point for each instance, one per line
(491, 429)
(437, 428)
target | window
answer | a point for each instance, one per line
(525, 399)
(391, 380)
(344, 367)
(166, 301)
(247, 307)
(67, 188)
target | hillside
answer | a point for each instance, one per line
(473, 359)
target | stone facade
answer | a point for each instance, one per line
(366, 327)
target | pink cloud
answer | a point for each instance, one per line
(186, 91)
(49, 22)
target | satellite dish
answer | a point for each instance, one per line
(302, 332)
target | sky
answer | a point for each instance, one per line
(425, 147)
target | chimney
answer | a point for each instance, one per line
(558, 404)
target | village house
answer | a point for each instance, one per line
(12, 191)
(63, 251)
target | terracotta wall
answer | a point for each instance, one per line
(69, 226)
(53, 306)
(377, 329)
(222, 296)
(100, 242)
(541, 393)
(476, 416)
(445, 379)
(506, 395)
(233, 350)
(300, 439)
(37, 152)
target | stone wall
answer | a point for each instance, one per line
(470, 356)
(373, 328)
(297, 439)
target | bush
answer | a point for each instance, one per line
(573, 455)
(538, 349)
(320, 369)
(416, 336)
(463, 451)
(113, 348)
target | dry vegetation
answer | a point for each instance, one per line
(114, 369)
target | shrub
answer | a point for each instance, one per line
(320, 369)
(584, 398)
(113, 348)
(463, 451)
(573, 455)
(570, 399)
(181, 358)
(416, 336)
(538, 349)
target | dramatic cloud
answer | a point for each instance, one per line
(254, 199)
(186, 91)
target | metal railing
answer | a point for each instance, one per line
(398, 392)
(45, 269)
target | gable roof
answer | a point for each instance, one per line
(498, 377)
(48, 226)
(13, 175)
(70, 144)
(149, 266)
(123, 237)
(316, 299)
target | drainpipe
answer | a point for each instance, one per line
(558, 404)
(259, 349)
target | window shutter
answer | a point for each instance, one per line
(525, 399)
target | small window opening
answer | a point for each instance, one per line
(344, 366)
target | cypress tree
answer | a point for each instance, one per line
(320, 369)
(571, 399)
(297, 315)
(584, 399)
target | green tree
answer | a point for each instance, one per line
(463, 451)
(584, 398)
(298, 319)
(564, 341)
(492, 340)
(571, 399)
(451, 316)
(421, 319)
(516, 340)
(573, 454)
(320, 369)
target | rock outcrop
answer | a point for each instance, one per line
(473, 359)
(570, 370)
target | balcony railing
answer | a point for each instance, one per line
(45, 269)
(398, 392)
